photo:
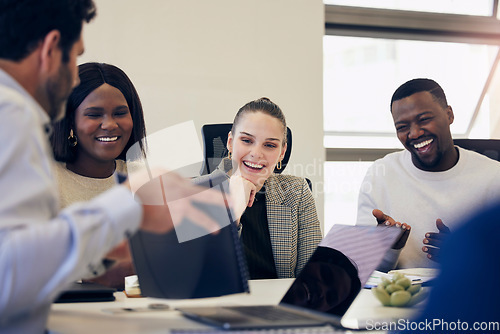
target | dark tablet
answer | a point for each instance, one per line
(86, 292)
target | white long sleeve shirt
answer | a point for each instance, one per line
(416, 197)
(41, 249)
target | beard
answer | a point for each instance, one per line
(58, 90)
(58, 112)
(428, 164)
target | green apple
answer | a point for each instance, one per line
(400, 298)
(391, 288)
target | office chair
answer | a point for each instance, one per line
(487, 147)
(214, 146)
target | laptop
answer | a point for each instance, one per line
(323, 291)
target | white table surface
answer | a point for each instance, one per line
(87, 318)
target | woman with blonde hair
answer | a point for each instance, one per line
(275, 213)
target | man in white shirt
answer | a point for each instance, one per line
(41, 249)
(431, 185)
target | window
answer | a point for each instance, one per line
(465, 7)
(342, 182)
(360, 75)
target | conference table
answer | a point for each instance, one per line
(152, 315)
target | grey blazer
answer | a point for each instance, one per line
(294, 227)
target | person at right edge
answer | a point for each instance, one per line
(431, 185)
(464, 297)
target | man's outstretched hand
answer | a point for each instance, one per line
(168, 198)
(433, 241)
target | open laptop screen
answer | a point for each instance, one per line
(339, 267)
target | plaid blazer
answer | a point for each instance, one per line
(294, 227)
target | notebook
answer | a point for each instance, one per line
(323, 291)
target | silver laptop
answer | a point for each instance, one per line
(324, 289)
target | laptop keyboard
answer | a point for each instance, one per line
(297, 330)
(266, 312)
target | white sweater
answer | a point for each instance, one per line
(416, 197)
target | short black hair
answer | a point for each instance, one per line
(92, 76)
(420, 85)
(25, 23)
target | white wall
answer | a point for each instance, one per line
(202, 60)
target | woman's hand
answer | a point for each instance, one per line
(242, 194)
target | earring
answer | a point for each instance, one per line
(72, 139)
(229, 155)
(279, 165)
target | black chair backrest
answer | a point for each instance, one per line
(487, 147)
(214, 146)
